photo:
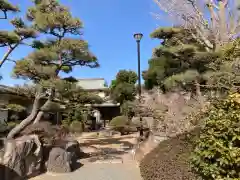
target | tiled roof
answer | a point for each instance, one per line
(92, 84)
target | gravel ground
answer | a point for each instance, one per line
(126, 171)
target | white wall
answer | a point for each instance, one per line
(102, 94)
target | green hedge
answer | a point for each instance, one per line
(122, 125)
(217, 152)
(119, 121)
(170, 160)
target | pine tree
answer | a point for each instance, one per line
(18, 36)
(76, 99)
(180, 61)
(123, 87)
(7, 7)
(63, 50)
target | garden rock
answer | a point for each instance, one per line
(59, 161)
(73, 147)
(22, 156)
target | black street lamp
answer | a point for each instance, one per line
(138, 37)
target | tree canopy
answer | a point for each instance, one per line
(178, 62)
(61, 49)
(211, 23)
(123, 87)
(7, 7)
(181, 62)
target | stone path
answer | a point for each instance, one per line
(110, 160)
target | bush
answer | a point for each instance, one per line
(12, 124)
(119, 121)
(217, 153)
(170, 159)
(66, 123)
(76, 127)
(121, 124)
(3, 128)
(128, 109)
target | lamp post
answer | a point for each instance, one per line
(138, 37)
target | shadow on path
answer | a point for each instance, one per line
(9, 174)
(107, 148)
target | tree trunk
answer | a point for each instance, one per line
(222, 21)
(41, 113)
(17, 129)
(39, 117)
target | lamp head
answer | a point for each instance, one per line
(138, 36)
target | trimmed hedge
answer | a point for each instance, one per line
(171, 159)
(119, 121)
(122, 125)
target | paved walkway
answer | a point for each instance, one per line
(126, 171)
(110, 161)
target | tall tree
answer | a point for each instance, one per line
(179, 62)
(21, 32)
(123, 87)
(59, 53)
(222, 26)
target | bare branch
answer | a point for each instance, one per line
(12, 60)
(6, 55)
(190, 15)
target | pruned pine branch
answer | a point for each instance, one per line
(6, 7)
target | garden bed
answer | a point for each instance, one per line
(170, 160)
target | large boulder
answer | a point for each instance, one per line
(23, 156)
(73, 148)
(59, 161)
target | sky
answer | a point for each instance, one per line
(109, 26)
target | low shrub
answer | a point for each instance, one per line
(121, 124)
(76, 127)
(6, 127)
(12, 124)
(65, 123)
(119, 121)
(217, 152)
(170, 159)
